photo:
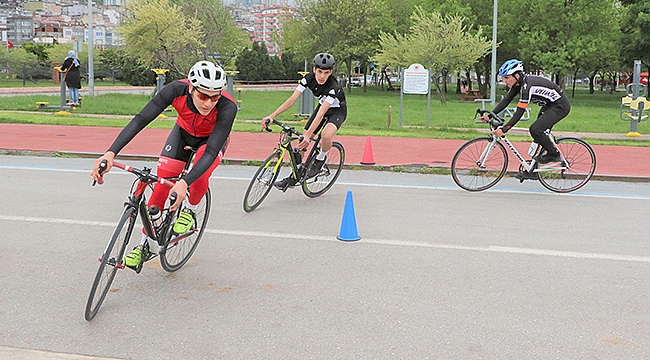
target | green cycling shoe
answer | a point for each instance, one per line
(185, 221)
(133, 258)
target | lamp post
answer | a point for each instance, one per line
(91, 71)
(493, 77)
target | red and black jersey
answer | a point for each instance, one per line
(215, 126)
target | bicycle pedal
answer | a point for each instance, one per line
(137, 268)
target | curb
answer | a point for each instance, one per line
(412, 168)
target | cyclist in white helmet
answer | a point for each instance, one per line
(538, 90)
(205, 116)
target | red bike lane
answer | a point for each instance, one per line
(613, 161)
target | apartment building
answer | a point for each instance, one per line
(268, 24)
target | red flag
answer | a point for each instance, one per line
(9, 44)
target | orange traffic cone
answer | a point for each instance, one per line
(368, 159)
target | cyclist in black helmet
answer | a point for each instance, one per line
(538, 90)
(329, 115)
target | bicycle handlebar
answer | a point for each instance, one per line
(495, 121)
(285, 128)
(142, 174)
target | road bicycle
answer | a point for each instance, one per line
(480, 163)
(268, 172)
(174, 249)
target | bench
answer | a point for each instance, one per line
(471, 95)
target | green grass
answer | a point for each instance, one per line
(368, 114)
(18, 83)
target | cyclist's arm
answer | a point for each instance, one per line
(521, 109)
(286, 105)
(155, 107)
(506, 100)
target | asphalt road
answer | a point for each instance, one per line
(516, 272)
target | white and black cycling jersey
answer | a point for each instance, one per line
(539, 90)
(536, 90)
(331, 91)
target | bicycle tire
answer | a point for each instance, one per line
(581, 166)
(262, 181)
(179, 248)
(319, 184)
(109, 262)
(466, 172)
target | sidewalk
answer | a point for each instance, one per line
(612, 162)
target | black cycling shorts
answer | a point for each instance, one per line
(334, 116)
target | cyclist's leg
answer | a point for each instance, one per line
(335, 118)
(547, 118)
(332, 121)
(199, 187)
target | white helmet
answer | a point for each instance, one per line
(208, 76)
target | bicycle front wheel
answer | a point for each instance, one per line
(111, 260)
(574, 172)
(319, 184)
(262, 181)
(180, 247)
(479, 164)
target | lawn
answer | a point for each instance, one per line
(368, 113)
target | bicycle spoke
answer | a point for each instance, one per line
(262, 182)
(475, 167)
(110, 262)
(180, 247)
(329, 172)
(576, 169)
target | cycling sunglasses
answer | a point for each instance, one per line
(206, 97)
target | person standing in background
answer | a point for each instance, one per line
(72, 77)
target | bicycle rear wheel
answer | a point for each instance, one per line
(575, 173)
(180, 247)
(479, 164)
(111, 261)
(319, 184)
(262, 182)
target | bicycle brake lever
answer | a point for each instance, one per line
(102, 167)
(267, 123)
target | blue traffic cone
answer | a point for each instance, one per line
(349, 222)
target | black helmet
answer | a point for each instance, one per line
(324, 61)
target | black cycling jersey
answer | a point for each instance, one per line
(215, 126)
(531, 89)
(331, 91)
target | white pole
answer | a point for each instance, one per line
(493, 78)
(91, 34)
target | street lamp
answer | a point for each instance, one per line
(493, 78)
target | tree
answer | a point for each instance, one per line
(292, 68)
(254, 64)
(635, 26)
(565, 36)
(347, 29)
(440, 43)
(221, 36)
(38, 50)
(159, 35)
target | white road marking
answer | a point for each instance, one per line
(489, 249)
(364, 184)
